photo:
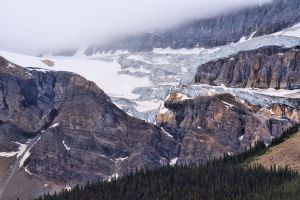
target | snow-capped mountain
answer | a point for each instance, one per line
(140, 82)
(214, 31)
(59, 129)
(186, 95)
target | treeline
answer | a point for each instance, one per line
(224, 179)
(286, 135)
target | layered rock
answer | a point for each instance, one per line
(211, 126)
(266, 67)
(214, 31)
(78, 134)
(281, 110)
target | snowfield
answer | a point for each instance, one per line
(139, 82)
(290, 32)
(21, 149)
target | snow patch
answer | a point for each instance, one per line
(168, 134)
(8, 154)
(161, 160)
(290, 32)
(134, 70)
(240, 100)
(241, 137)
(139, 58)
(113, 176)
(252, 35)
(27, 171)
(10, 65)
(144, 106)
(230, 153)
(27, 154)
(68, 188)
(121, 159)
(173, 161)
(182, 51)
(66, 147)
(54, 125)
(243, 39)
(21, 149)
(228, 105)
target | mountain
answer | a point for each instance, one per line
(139, 82)
(58, 129)
(215, 31)
(146, 103)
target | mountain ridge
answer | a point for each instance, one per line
(212, 32)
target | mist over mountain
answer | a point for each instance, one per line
(33, 26)
(213, 31)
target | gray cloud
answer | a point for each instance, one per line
(32, 26)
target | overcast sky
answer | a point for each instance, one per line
(31, 26)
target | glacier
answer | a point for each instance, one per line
(139, 82)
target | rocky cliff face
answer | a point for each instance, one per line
(281, 110)
(267, 67)
(215, 31)
(79, 135)
(211, 126)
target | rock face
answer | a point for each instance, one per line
(82, 135)
(267, 67)
(281, 110)
(211, 126)
(215, 31)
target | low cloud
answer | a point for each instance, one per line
(33, 26)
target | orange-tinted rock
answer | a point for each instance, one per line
(211, 126)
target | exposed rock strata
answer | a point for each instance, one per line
(266, 67)
(84, 137)
(211, 126)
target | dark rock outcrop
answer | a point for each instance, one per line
(266, 67)
(211, 126)
(215, 31)
(84, 137)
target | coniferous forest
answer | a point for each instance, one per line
(229, 178)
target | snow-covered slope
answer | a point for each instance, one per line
(139, 82)
(290, 32)
(103, 73)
